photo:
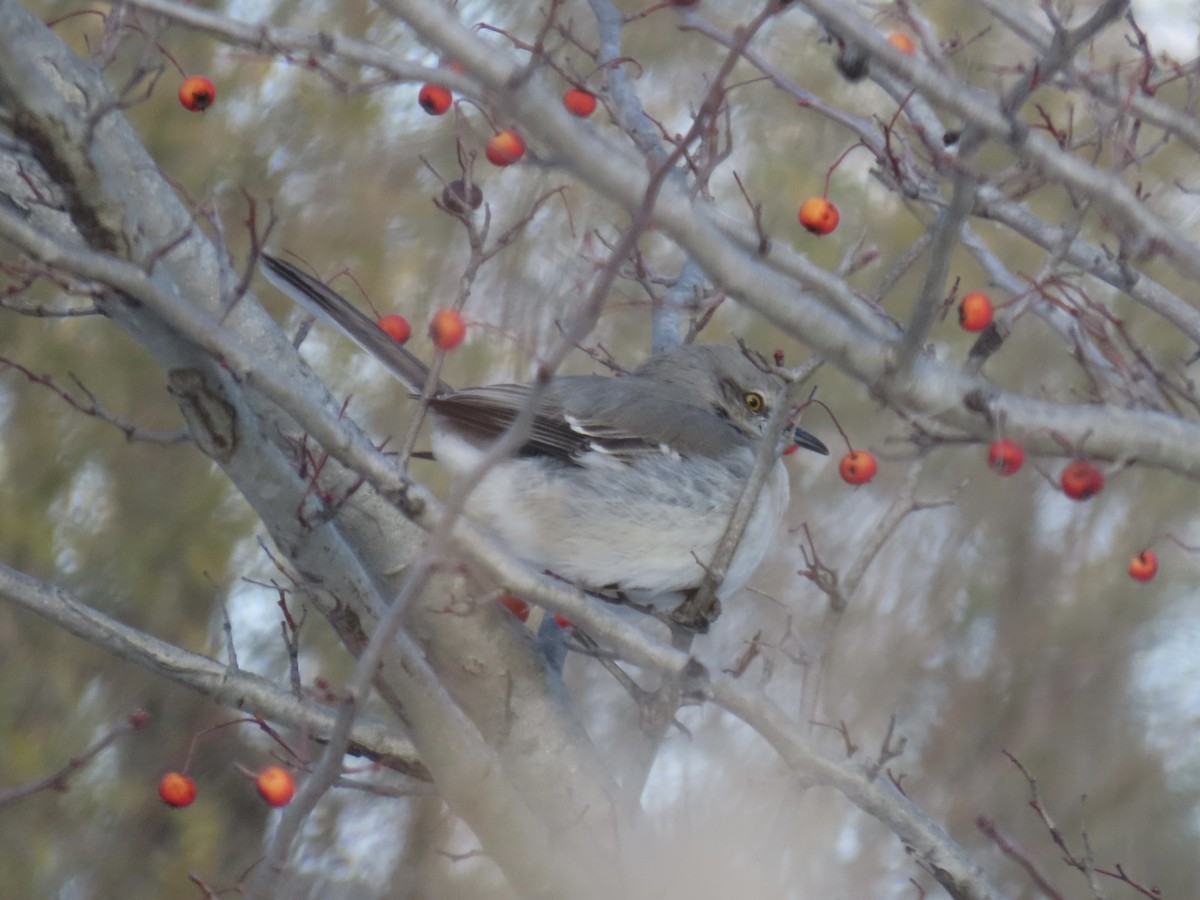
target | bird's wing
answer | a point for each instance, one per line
(621, 418)
(484, 413)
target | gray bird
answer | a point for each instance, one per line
(624, 483)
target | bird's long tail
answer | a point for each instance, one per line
(326, 303)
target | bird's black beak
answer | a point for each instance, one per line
(809, 442)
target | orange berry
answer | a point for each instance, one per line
(177, 790)
(858, 467)
(396, 327)
(197, 93)
(579, 102)
(434, 99)
(975, 311)
(516, 606)
(902, 42)
(276, 785)
(1005, 457)
(1144, 566)
(818, 215)
(1081, 480)
(505, 148)
(447, 329)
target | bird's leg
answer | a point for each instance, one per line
(698, 611)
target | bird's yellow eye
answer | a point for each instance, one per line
(755, 402)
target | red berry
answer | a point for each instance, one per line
(177, 790)
(902, 42)
(1144, 566)
(447, 329)
(1005, 456)
(579, 102)
(818, 215)
(516, 606)
(275, 785)
(434, 99)
(1081, 480)
(197, 93)
(505, 148)
(975, 311)
(858, 467)
(396, 327)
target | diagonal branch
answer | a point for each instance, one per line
(234, 688)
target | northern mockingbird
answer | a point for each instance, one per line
(623, 483)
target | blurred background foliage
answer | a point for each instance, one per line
(1004, 621)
